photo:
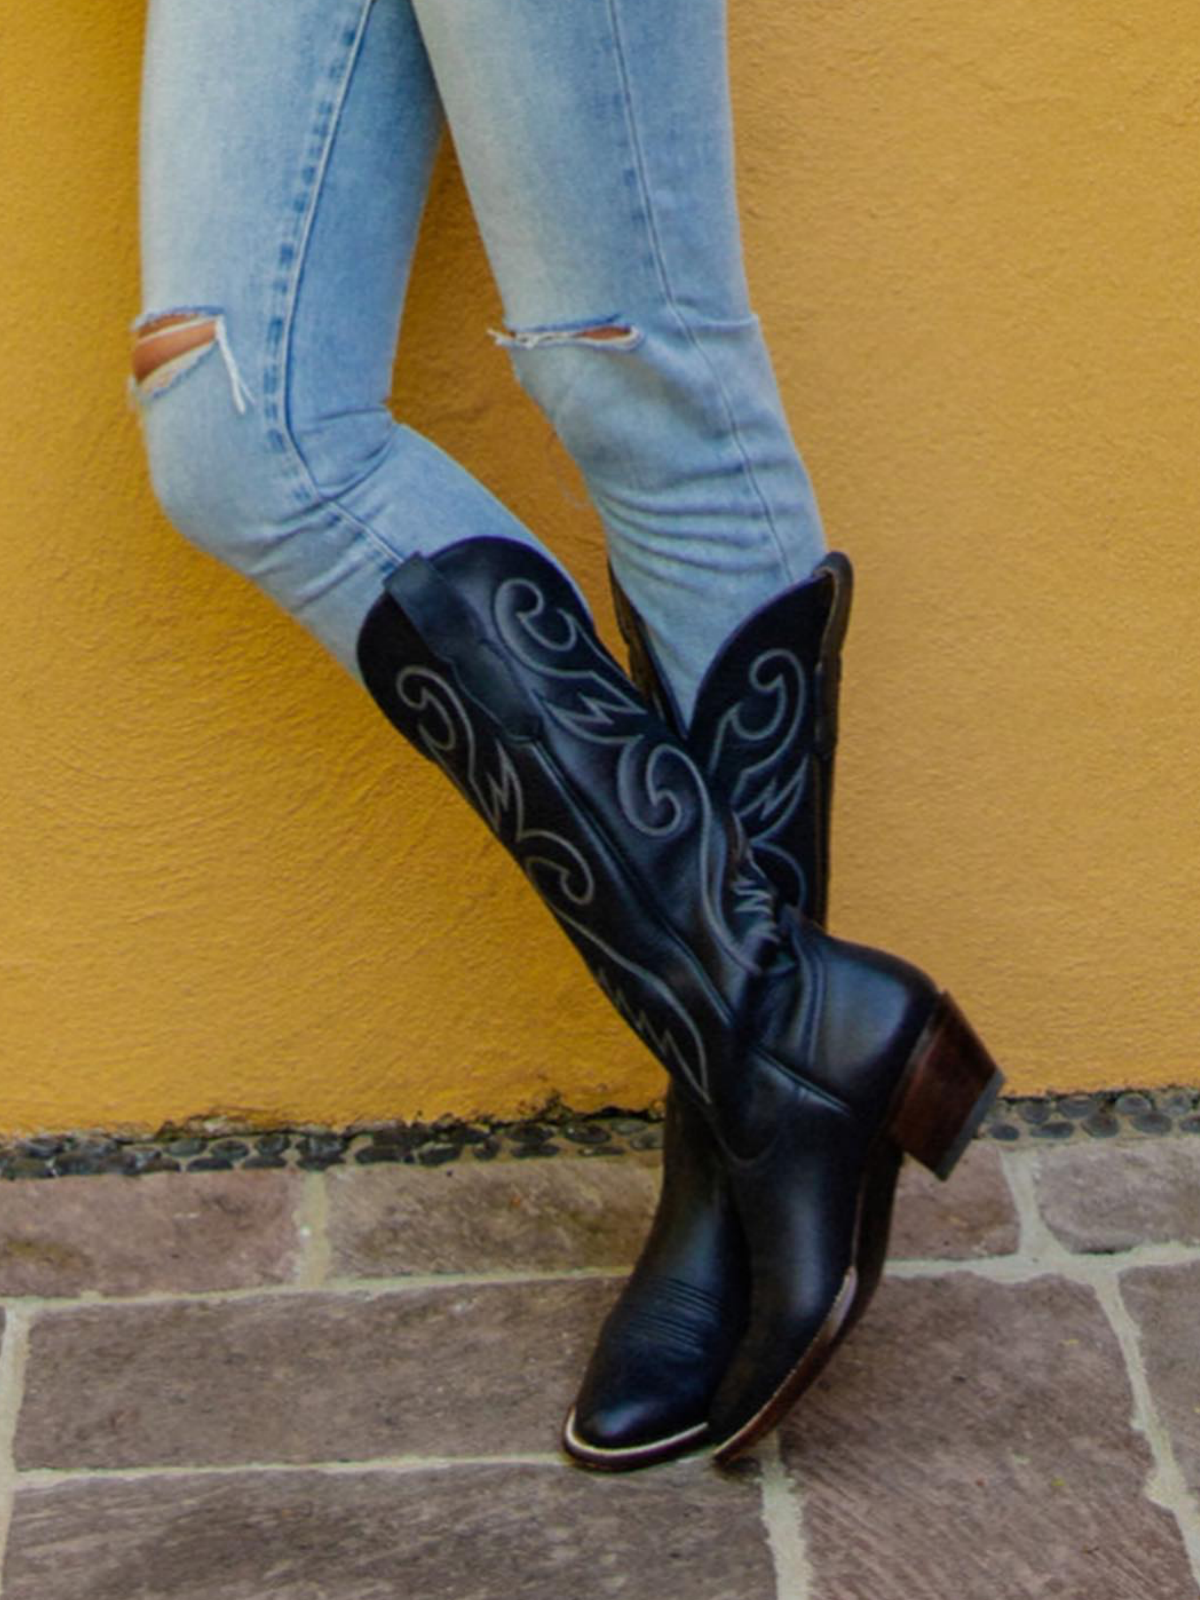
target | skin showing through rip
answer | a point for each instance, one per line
(168, 338)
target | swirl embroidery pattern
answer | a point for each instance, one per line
(661, 791)
(556, 867)
(767, 792)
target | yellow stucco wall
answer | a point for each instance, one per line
(972, 231)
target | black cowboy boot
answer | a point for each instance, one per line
(764, 730)
(806, 1056)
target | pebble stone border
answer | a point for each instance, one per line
(1132, 1113)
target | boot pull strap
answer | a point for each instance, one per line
(643, 666)
(836, 567)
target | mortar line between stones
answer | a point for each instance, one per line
(783, 1518)
(312, 1228)
(1015, 1268)
(1020, 1268)
(1021, 1173)
(52, 1477)
(1167, 1486)
(13, 1354)
(367, 1288)
(436, 1280)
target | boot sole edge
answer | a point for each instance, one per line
(629, 1457)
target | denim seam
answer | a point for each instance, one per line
(669, 297)
(280, 354)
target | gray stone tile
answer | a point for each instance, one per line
(970, 1215)
(314, 1377)
(165, 1231)
(466, 1533)
(1165, 1304)
(472, 1216)
(1118, 1196)
(973, 1440)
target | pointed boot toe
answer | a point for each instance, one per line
(665, 1345)
(643, 1427)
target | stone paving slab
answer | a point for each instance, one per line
(1114, 1199)
(469, 1533)
(532, 1215)
(219, 1230)
(464, 1370)
(228, 1230)
(1165, 1304)
(970, 1216)
(570, 1214)
(973, 1440)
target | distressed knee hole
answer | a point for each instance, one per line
(601, 335)
(604, 333)
(169, 344)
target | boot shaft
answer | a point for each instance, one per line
(487, 661)
(764, 728)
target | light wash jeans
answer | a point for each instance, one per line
(287, 147)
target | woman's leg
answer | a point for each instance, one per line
(595, 139)
(597, 147)
(276, 253)
(286, 156)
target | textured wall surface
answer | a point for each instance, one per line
(972, 237)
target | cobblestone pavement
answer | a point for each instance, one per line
(346, 1384)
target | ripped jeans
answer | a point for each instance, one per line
(287, 148)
